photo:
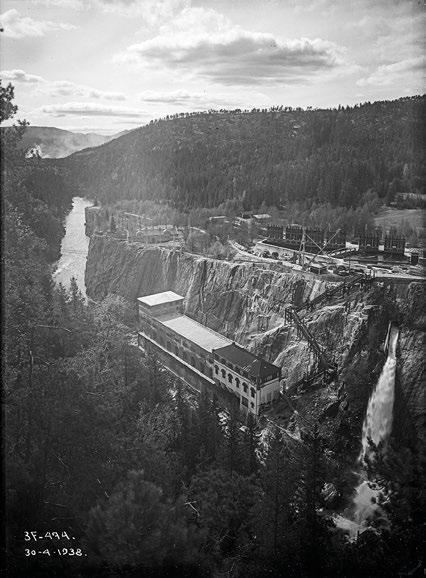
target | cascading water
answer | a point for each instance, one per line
(377, 427)
(377, 424)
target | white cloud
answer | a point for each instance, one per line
(18, 75)
(73, 4)
(17, 26)
(204, 100)
(372, 25)
(152, 11)
(205, 43)
(389, 74)
(66, 88)
(313, 5)
(84, 109)
(59, 88)
(392, 35)
(327, 6)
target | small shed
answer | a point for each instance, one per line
(318, 268)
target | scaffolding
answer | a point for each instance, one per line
(292, 317)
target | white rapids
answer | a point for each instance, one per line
(377, 424)
(377, 427)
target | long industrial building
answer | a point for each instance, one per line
(203, 358)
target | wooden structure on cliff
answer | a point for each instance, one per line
(292, 317)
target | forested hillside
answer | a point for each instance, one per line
(274, 156)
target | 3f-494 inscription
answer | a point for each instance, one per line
(37, 542)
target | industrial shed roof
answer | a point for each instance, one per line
(193, 331)
(253, 365)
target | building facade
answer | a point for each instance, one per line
(253, 380)
(203, 358)
(394, 245)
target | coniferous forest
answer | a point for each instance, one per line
(101, 444)
(274, 156)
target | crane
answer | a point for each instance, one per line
(321, 249)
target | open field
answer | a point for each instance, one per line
(389, 217)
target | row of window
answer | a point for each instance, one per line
(192, 348)
(198, 364)
(241, 371)
(234, 368)
(153, 324)
(207, 371)
(237, 381)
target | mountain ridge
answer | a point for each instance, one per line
(53, 142)
(274, 156)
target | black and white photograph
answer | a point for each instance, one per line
(213, 288)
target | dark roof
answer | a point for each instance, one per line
(253, 365)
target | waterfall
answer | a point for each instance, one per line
(377, 426)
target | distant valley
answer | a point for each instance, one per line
(51, 142)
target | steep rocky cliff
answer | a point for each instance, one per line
(228, 296)
(247, 301)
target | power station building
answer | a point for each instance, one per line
(296, 237)
(394, 245)
(369, 243)
(203, 358)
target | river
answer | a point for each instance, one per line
(74, 247)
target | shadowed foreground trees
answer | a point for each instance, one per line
(138, 527)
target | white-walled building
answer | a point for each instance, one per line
(203, 357)
(252, 379)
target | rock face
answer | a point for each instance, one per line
(246, 302)
(224, 295)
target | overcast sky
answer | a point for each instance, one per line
(109, 65)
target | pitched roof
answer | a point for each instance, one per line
(255, 366)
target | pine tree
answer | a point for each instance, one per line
(77, 299)
(222, 502)
(232, 450)
(251, 446)
(315, 530)
(275, 515)
(210, 432)
(138, 528)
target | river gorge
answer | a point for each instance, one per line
(74, 247)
